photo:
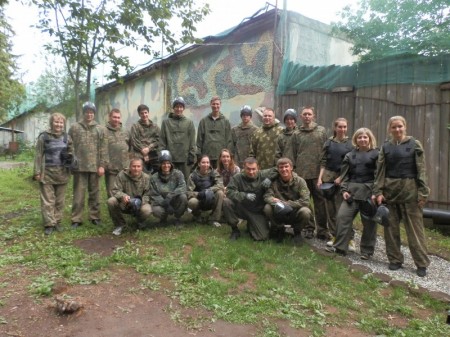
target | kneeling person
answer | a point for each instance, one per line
(287, 202)
(130, 195)
(168, 190)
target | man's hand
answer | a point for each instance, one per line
(250, 196)
(100, 171)
(126, 199)
(266, 183)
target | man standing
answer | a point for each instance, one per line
(245, 200)
(264, 140)
(118, 147)
(287, 202)
(214, 133)
(241, 136)
(284, 142)
(91, 150)
(307, 146)
(144, 139)
(178, 137)
(130, 195)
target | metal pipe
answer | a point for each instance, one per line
(439, 216)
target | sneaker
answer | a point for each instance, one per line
(394, 266)
(309, 234)
(336, 251)
(365, 256)
(49, 230)
(421, 271)
(352, 246)
(235, 234)
(117, 231)
(215, 224)
(331, 242)
(96, 222)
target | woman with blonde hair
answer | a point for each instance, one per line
(401, 183)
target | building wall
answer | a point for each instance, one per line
(31, 123)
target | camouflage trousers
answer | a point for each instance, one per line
(83, 181)
(298, 219)
(118, 209)
(178, 204)
(110, 178)
(52, 203)
(320, 210)
(197, 206)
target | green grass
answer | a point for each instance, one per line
(241, 282)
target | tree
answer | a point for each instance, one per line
(92, 32)
(12, 91)
(380, 28)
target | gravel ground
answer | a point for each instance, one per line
(438, 273)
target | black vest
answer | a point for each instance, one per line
(203, 182)
(400, 159)
(336, 153)
(53, 148)
(362, 166)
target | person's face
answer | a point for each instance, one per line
(246, 119)
(285, 171)
(268, 117)
(341, 129)
(165, 167)
(289, 122)
(251, 170)
(215, 106)
(144, 115)
(204, 164)
(114, 119)
(307, 116)
(178, 109)
(225, 158)
(363, 141)
(58, 125)
(89, 115)
(397, 129)
(135, 168)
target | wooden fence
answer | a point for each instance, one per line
(425, 107)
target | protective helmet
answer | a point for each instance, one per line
(179, 100)
(246, 110)
(291, 113)
(135, 204)
(328, 190)
(382, 216)
(165, 155)
(89, 106)
(282, 209)
(368, 209)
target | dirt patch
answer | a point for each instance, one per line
(103, 245)
(7, 165)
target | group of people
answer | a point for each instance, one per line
(265, 176)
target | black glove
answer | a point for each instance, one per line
(266, 183)
(201, 195)
(250, 196)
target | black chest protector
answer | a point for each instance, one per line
(362, 166)
(400, 160)
(202, 182)
(336, 153)
(53, 148)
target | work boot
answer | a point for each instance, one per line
(297, 240)
(75, 225)
(235, 234)
(421, 271)
(309, 234)
(395, 266)
(96, 222)
(49, 230)
(178, 224)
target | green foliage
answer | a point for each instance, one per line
(379, 28)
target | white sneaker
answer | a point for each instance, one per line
(331, 242)
(351, 246)
(117, 231)
(216, 224)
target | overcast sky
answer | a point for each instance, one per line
(224, 14)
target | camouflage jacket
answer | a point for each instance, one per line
(295, 192)
(90, 146)
(213, 136)
(307, 147)
(264, 145)
(178, 136)
(162, 186)
(142, 136)
(118, 147)
(241, 136)
(284, 145)
(53, 175)
(125, 184)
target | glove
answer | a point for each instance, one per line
(250, 196)
(282, 209)
(266, 183)
(201, 195)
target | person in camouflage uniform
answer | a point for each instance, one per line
(241, 136)
(284, 141)
(214, 133)
(264, 140)
(144, 139)
(178, 137)
(91, 150)
(401, 183)
(307, 146)
(130, 195)
(54, 152)
(118, 149)
(245, 200)
(168, 191)
(287, 202)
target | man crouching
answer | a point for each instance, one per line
(130, 195)
(287, 202)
